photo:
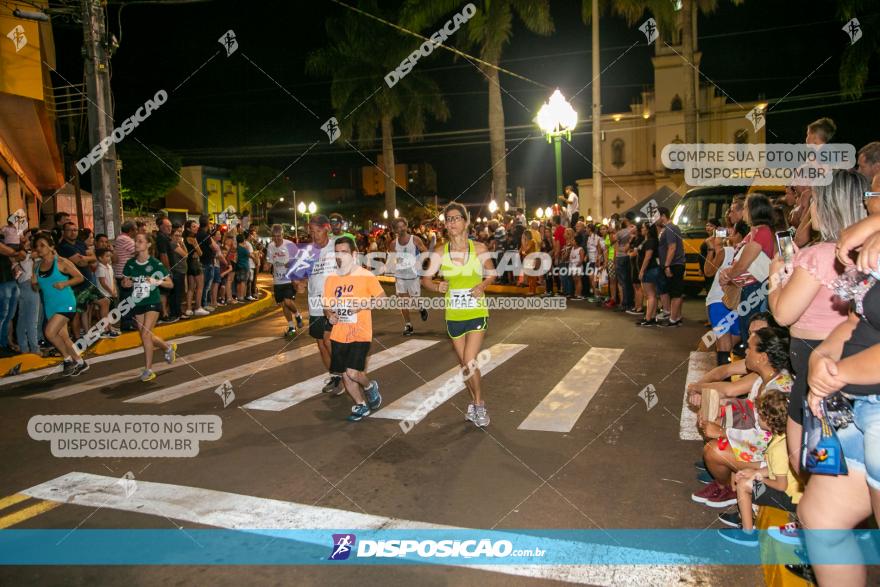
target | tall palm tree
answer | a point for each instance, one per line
(359, 54)
(489, 30)
(856, 60)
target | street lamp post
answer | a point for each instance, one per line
(557, 119)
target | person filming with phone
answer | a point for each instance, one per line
(802, 294)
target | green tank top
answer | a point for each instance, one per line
(460, 305)
(609, 247)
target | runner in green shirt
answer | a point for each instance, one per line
(145, 274)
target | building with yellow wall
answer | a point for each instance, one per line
(205, 190)
(31, 166)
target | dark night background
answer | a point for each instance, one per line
(228, 109)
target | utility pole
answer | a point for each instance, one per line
(105, 188)
(71, 150)
(597, 113)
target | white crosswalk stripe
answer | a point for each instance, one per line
(290, 396)
(699, 364)
(560, 410)
(116, 378)
(422, 400)
(212, 380)
(56, 369)
(235, 511)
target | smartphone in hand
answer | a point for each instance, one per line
(785, 245)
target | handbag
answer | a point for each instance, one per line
(821, 452)
(732, 295)
(710, 405)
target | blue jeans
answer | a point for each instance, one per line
(8, 303)
(567, 283)
(621, 265)
(760, 307)
(27, 329)
(860, 441)
(208, 271)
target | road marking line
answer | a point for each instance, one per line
(235, 511)
(131, 374)
(12, 379)
(290, 396)
(212, 380)
(699, 364)
(13, 499)
(436, 391)
(560, 409)
(27, 513)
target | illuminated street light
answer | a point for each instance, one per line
(557, 119)
(385, 214)
(493, 206)
(301, 208)
(506, 206)
(281, 199)
(539, 212)
(396, 213)
(312, 208)
(548, 212)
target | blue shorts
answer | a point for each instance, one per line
(860, 441)
(458, 328)
(717, 313)
(652, 276)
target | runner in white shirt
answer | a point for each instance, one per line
(405, 251)
(321, 250)
(280, 253)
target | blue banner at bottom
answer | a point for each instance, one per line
(437, 546)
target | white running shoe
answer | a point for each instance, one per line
(201, 312)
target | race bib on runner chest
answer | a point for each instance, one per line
(346, 314)
(461, 299)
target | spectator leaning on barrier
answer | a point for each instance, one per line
(170, 309)
(203, 237)
(195, 279)
(8, 297)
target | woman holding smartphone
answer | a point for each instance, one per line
(801, 288)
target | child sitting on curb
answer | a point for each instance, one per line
(776, 486)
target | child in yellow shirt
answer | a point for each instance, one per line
(777, 485)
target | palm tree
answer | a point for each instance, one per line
(856, 59)
(489, 30)
(359, 54)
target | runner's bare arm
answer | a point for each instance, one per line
(69, 269)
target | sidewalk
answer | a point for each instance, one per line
(223, 316)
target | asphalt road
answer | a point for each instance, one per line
(620, 465)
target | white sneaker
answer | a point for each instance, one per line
(201, 312)
(188, 313)
(210, 308)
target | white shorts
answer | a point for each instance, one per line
(412, 287)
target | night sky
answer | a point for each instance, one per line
(760, 50)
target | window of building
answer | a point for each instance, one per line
(617, 154)
(676, 103)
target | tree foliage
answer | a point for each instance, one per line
(148, 173)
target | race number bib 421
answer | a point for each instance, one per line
(461, 299)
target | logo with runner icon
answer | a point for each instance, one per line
(343, 544)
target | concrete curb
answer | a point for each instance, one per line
(128, 340)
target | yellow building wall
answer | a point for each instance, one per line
(21, 72)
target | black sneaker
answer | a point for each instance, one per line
(651, 322)
(79, 368)
(290, 332)
(805, 572)
(731, 519)
(331, 384)
(672, 323)
(299, 321)
(69, 367)
(408, 330)
(424, 314)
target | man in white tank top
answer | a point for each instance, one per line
(405, 251)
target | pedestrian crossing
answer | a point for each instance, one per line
(299, 392)
(247, 513)
(117, 378)
(699, 364)
(56, 369)
(408, 398)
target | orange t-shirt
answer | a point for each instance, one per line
(359, 285)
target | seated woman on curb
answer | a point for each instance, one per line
(732, 449)
(717, 378)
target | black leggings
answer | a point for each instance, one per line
(799, 352)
